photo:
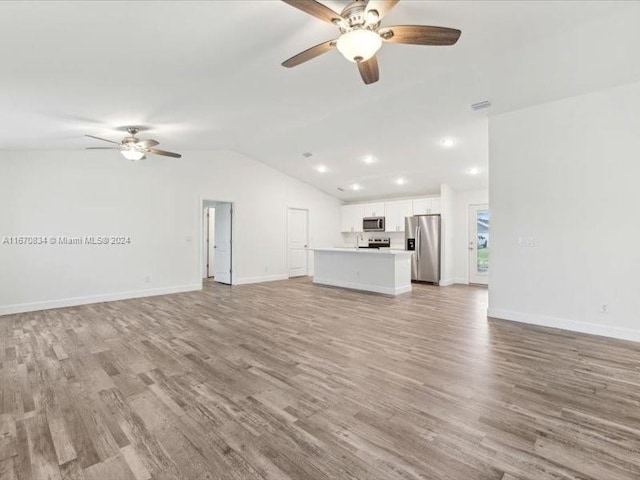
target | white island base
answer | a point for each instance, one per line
(380, 271)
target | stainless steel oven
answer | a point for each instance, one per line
(373, 224)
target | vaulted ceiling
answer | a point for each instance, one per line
(207, 76)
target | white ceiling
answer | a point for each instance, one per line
(207, 75)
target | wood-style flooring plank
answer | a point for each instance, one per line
(290, 380)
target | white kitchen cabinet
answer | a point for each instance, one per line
(435, 205)
(395, 213)
(424, 206)
(352, 216)
(374, 209)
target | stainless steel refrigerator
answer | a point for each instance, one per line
(422, 236)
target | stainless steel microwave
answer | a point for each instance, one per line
(373, 224)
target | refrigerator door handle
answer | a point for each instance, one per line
(418, 242)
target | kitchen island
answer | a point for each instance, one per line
(381, 271)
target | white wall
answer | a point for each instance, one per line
(447, 257)
(158, 203)
(564, 176)
(463, 200)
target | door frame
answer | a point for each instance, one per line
(208, 242)
(307, 242)
(203, 245)
(471, 221)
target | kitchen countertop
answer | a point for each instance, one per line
(374, 251)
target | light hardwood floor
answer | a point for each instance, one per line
(288, 380)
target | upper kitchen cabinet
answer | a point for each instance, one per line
(374, 209)
(425, 206)
(352, 218)
(395, 213)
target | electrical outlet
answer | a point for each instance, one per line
(604, 308)
(147, 279)
(527, 242)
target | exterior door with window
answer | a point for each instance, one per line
(479, 244)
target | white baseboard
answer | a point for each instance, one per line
(565, 324)
(446, 282)
(268, 278)
(461, 281)
(108, 297)
(364, 286)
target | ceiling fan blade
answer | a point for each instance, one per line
(147, 143)
(420, 35)
(309, 54)
(369, 70)
(103, 139)
(380, 6)
(155, 151)
(316, 9)
(103, 148)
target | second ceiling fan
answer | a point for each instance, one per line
(361, 35)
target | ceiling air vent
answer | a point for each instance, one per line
(341, 189)
(307, 154)
(480, 105)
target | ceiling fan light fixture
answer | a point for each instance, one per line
(373, 17)
(132, 154)
(359, 45)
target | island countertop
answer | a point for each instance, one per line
(382, 251)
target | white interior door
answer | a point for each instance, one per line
(211, 241)
(298, 242)
(222, 245)
(479, 244)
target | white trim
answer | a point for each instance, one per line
(107, 297)
(364, 286)
(446, 283)
(461, 281)
(565, 324)
(268, 278)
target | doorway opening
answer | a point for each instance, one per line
(217, 242)
(298, 241)
(479, 244)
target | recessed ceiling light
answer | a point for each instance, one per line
(448, 142)
(356, 187)
(369, 159)
(473, 171)
(401, 181)
(320, 168)
(307, 154)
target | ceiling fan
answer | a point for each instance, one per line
(361, 34)
(134, 148)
